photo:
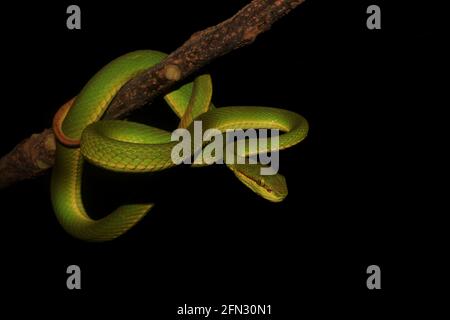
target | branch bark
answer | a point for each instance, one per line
(35, 155)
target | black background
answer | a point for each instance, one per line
(355, 184)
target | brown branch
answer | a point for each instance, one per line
(28, 159)
(34, 155)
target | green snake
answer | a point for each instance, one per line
(132, 147)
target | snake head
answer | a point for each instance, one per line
(270, 187)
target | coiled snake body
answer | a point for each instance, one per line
(131, 147)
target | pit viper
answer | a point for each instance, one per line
(125, 146)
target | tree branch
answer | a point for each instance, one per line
(34, 155)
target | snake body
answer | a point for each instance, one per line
(132, 147)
